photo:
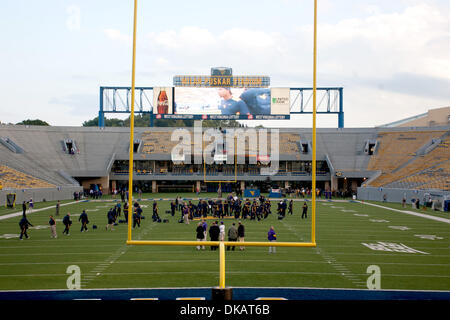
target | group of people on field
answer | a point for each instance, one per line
(258, 209)
(235, 234)
(233, 206)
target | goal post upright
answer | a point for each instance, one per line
(130, 168)
(313, 187)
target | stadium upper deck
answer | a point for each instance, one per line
(406, 157)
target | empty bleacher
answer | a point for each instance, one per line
(402, 167)
(405, 157)
(14, 179)
(44, 156)
(159, 142)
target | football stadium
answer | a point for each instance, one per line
(209, 209)
(382, 198)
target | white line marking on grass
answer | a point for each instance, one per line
(240, 272)
(329, 259)
(99, 269)
(215, 261)
(428, 236)
(417, 214)
(19, 213)
(391, 246)
(51, 254)
(402, 228)
(39, 227)
(159, 273)
(9, 236)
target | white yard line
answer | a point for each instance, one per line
(215, 261)
(342, 270)
(19, 213)
(417, 214)
(101, 268)
(231, 272)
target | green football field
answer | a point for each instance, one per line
(412, 252)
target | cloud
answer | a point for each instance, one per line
(117, 35)
(73, 22)
(77, 104)
(388, 63)
(388, 43)
(415, 85)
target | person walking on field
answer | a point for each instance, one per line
(272, 237)
(24, 224)
(110, 217)
(136, 220)
(185, 213)
(305, 210)
(205, 230)
(214, 232)
(232, 235)
(24, 208)
(200, 235)
(67, 223)
(52, 224)
(84, 221)
(241, 234)
(31, 205)
(125, 211)
(58, 204)
(222, 231)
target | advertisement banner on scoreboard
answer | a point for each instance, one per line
(232, 101)
(163, 100)
(280, 102)
(219, 117)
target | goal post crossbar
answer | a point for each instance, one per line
(221, 245)
(217, 243)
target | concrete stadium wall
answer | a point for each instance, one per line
(39, 194)
(396, 195)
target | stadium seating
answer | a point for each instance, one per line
(406, 158)
(160, 143)
(14, 179)
(157, 142)
(402, 167)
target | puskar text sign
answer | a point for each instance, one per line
(222, 81)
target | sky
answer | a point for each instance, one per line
(391, 57)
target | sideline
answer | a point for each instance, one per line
(239, 293)
(417, 214)
(19, 213)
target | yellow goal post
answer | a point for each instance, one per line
(222, 244)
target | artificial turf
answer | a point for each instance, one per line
(340, 259)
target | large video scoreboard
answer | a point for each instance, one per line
(221, 95)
